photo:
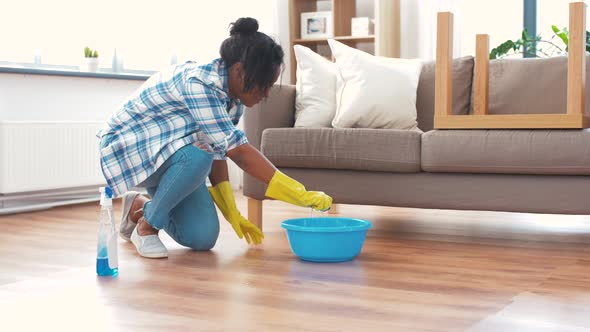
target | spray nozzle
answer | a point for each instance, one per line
(106, 191)
(106, 196)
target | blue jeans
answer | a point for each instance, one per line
(181, 204)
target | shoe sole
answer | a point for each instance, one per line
(152, 255)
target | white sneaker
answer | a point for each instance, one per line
(127, 226)
(149, 246)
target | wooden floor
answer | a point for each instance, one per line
(420, 270)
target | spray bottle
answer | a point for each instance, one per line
(106, 259)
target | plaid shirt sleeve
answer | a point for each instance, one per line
(210, 114)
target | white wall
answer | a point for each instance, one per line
(145, 32)
(61, 98)
(501, 19)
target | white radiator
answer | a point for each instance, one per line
(46, 164)
(40, 156)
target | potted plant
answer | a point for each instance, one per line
(90, 60)
(536, 45)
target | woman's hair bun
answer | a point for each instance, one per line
(244, 25)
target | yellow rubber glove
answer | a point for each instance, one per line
(223, 196)
(286, 189)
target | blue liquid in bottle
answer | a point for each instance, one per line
(102, 265)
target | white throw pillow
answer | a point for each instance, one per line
(374, 92)
(315, 100)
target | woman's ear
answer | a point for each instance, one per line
(238, 71)
(236, 79)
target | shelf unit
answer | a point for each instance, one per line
(387, 29)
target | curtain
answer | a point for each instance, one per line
(418, 27)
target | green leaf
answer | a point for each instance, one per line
(494, 54)
(504, 48)
(525, 34)
(562, 34)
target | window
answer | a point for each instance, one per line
(501, 19)
(505, 19)
(551, 12)
(146, 33)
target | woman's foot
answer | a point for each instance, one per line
(146, 241)
(144, 229)
(133, 203)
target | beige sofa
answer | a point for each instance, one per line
(538, 171)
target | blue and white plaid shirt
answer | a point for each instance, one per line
(187, 104)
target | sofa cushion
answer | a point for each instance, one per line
(541, 82)
(564, 152)
(462, 77)
(373, 91)
(387, 150)
(315, 103)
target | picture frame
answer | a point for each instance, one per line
(317, 25)
(361, 27)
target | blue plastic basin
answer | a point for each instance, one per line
(326, 239)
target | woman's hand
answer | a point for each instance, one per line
(280, 186)
(223, 196)
(244, 228)
(288, 190)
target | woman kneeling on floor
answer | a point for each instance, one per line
(177, 129)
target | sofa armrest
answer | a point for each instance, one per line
(277, 111)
